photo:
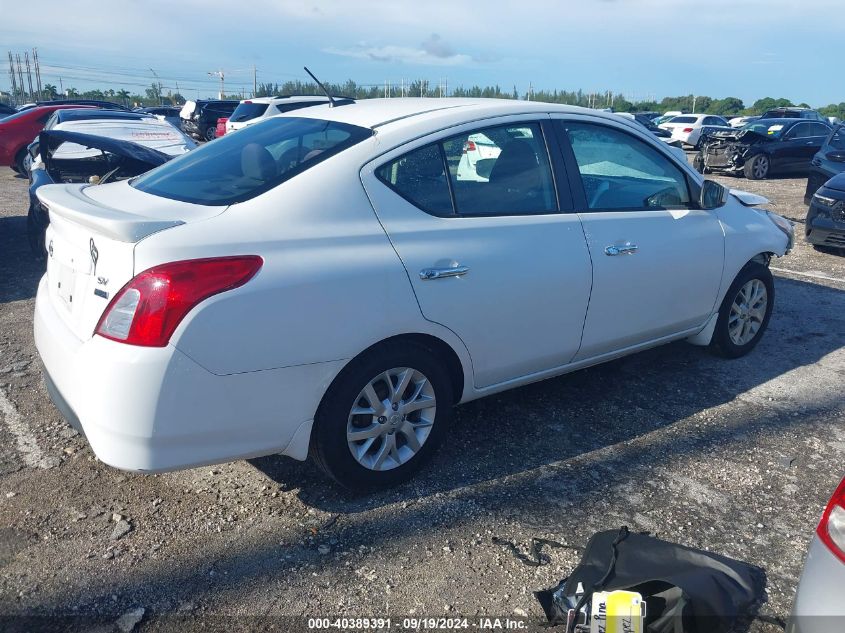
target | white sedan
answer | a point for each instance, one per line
(687, 128)
(323, 283)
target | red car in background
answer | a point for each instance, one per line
(221, 126)
(19, 130)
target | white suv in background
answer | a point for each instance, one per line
(687, 128)
(251, 111)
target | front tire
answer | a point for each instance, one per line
(757, 168)
(745, 312)
(383, 417)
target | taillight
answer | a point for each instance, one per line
(469, 146)
(148, 309)
(831, 528)
(687, 130)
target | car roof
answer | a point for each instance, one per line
(291, 99)
(76, 114)
(395, 113)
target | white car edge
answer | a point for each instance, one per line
(330, 315)
(257, 109)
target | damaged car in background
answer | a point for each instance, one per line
(763, 148)
(96, 156)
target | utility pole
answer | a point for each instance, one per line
(219, 73)
(61, 87)
(446, 86)
(158, 83)
(693, 104)
(29, 76)
(403, 86)
(254, 81)
(12, 77)
(37, 72)
(20, 76)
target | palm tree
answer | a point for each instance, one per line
(123, 95)
(50, 91)
(72, 93)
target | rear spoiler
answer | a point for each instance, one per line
(70, 201)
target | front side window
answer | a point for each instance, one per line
(237, 167)
(620, 172)
(501, 170)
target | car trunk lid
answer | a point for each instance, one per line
(91, 243)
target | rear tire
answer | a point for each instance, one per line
(19, 166)
(210, 133)
(36, 227)
(745, 312)
(757, 168)
(387, 431)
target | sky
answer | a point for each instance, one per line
(640, 48)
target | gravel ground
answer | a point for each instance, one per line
(738, 457)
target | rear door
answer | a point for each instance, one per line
(657, 259)
(496, 256)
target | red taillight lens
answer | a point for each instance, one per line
(469, 146)
(831, 528)
(687, 130)
(148, 309)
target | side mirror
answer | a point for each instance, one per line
(837, 157)
(713, 195)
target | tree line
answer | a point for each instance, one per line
(727, 106)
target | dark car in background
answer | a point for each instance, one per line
(6, 110)
(165, 113)
(825, 224)
(763, 148)
(793, 113)
(199, 118)
(108, 105)
(828, 161)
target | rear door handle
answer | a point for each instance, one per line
(442, 273)
(626, 249)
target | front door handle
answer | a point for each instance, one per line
(626, 249)
(441, 273)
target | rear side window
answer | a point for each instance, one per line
(837, 139)
(502, 170)
(247, 111)
(819, 129)
(240, 166)
(620, 172)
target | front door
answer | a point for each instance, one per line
(491, 252)
(657, 259)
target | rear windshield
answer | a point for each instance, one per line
(237, 167)
(684, 119)
(247, 111)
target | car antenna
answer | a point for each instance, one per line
(322, 87)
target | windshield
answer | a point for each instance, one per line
(773, 130)
(240, 166)
(246, 111)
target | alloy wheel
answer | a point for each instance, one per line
(391, 419)
(761, 167)
(747, 312)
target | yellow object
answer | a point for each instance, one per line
(617, 612)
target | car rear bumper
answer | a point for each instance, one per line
(155, 409)
(819, 607)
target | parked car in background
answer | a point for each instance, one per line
(96, 151)
(199, 118)
(19, 129)
(825, 225)
(252, 111)
(819, 606)
(828, 161)
(763, 148)
(108, 105)
(77, 114)
(221, 126)
(175, 358)
(165, 113)
(667, 116)
(793, 113)
(6, 110)
(688, 128)
(740, 121)
(647, 123)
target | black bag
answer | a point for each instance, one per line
(686, 590)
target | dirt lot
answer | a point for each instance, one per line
(738, 457)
